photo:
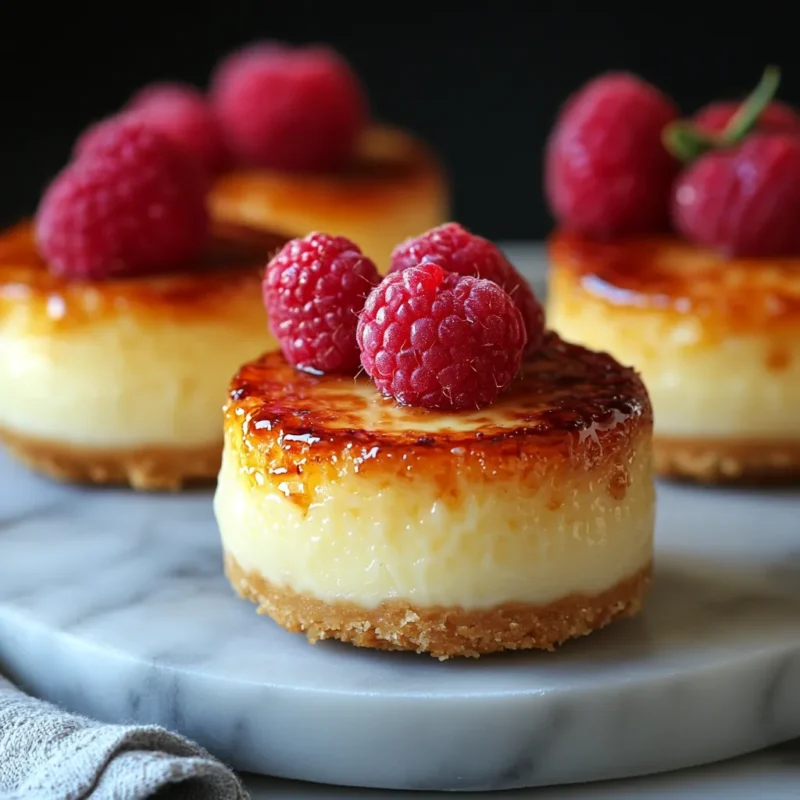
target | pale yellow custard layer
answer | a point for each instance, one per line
(367, 541)
(124, 382)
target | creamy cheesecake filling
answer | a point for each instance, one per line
(380, 535)
(745, 386)
(124, 381)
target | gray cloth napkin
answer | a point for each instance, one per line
(47, 754)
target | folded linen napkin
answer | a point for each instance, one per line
(48, 754)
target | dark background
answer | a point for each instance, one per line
(481, 86)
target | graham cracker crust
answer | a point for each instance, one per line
(443, 632)
(143, 469)
(721, 461)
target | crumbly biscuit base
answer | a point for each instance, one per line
(723, 461)
(144, 468)
(441, 632)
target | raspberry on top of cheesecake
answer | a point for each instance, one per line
(709, 311)
(469, 493)
(287, 143)
(119, 326)
(308, 157)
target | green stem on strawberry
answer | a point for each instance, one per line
(688, 142)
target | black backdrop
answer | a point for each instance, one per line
(482, 86)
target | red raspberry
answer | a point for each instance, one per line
(314, 289)
(96, 132)
(177, 111)
(743, 201)
(457, 250)
(777, 117)
(134, 203)
(607, 172)
(183, 113)
(289, 108)
(240, 59)
(440, 340)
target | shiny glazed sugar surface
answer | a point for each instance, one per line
(395, 190)
(127, 362)
(330, 490)
(717, 342)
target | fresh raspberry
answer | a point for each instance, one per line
(607, 172)
(135, 203)
(179, 112)
(182, 112)
(240, 59)
(298, 109)
(440, 340)
(743, 201)
(96, 132)
(314, 289)
(457, 250)
(777, 117)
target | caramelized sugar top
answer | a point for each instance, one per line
(569, 405)
(232, 266)
(386, 160)
(668, 273)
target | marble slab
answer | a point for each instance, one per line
(772, 774)
(115, 605)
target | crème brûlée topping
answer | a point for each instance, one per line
(394, 188)
(131, 362)
(231, 267)
(333, 495)
(717, 340)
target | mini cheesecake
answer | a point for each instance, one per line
(717, 342)
(394, 188)
(345, 515)
(123, 381)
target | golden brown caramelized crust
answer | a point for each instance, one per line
(147, 468)
(442, 632)
(570, 408)
(667, 274)
(390, 167)
(231, 268)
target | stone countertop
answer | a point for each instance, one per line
(773, 774)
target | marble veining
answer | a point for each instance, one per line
(115, 605)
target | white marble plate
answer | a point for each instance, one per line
(114, 604)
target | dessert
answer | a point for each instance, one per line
(285, 138)
(307, 157)
(465, 494)
(701, 293)
(119, 327)
(717, 342)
